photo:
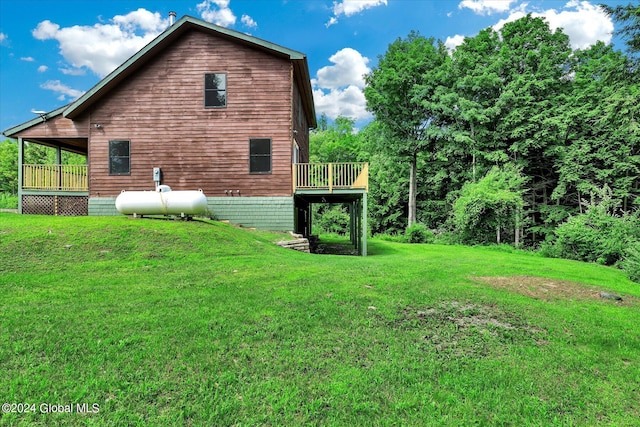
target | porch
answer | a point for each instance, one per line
(53, 189)
(346, 183)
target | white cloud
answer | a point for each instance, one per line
(486, 7)
(583, 22)
(103, 47)
(349, 69)
(27, 59)
(3, 37)
(337, 90)
(514, 16)
(248, 21)
(352, 7)
(349, 102)
(42, 68)
(72, 71)
(453, 42)
(217, 12)
(66, 93)
(148, 22)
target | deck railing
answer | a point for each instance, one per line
(330, 176)
(55, 177)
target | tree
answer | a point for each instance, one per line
(9, 166)
(629, 17)
(336, 143)
(490, 206)
(602, 136)
(399, 93)
(477, 85)
(388, 179)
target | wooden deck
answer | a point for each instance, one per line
(330, 176)
(55, 177)
(306, 176)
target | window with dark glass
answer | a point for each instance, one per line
(215, 90)
(119, 157)
(260, 155)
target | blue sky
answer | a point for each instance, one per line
(53, 51)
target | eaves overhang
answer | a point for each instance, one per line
(26, 125)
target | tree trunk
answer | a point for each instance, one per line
(517, 229)
(498, 234)
(580, 201)
(412, 190)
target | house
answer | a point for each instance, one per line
(208, 108)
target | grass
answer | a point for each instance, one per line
(200, 323)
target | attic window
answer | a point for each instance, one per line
(215, 90)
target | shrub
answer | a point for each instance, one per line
(597, 236)
(335, 219)
(398, 238)
(631, 262)
(490, 207)
(418, 233)
(8, 201)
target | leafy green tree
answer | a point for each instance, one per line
(490, 206)
(398, 92)
(336, 143)
(476, 89)
(36, 154)
(602, 135)
(9, 166)
(388, 179)
(535, 68)
(629, 17)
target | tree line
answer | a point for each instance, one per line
(508, 136)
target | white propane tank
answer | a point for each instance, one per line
(163, 201)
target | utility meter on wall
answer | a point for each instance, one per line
(156, 175)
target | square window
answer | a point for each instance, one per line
(215, 90)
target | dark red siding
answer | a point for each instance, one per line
(160, 109)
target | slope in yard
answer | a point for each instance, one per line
(199, 323)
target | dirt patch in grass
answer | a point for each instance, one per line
(553, 289)
(466, 329)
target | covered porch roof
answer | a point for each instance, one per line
(52, 129)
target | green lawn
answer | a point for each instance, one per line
(199, 323)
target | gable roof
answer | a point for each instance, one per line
(184, 24)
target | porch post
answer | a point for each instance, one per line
(20, 172)
(59, 163)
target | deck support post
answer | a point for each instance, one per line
(20, 172)
(363, 250)
(352, 223)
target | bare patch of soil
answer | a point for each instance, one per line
(465, 329)
(550, 289)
